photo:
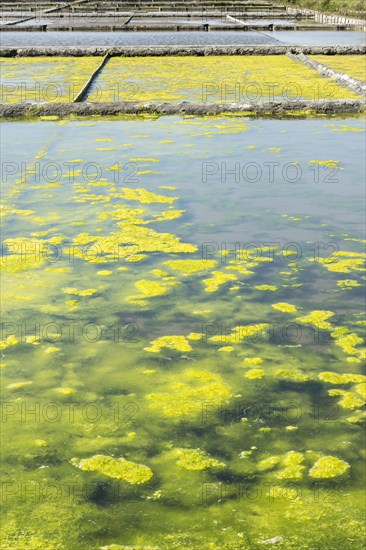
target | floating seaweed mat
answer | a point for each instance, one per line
(353, 65)
(213, 79)
(44, 79)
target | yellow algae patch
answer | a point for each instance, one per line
(201, 311)
(72, 303)
(343, 261)
(58, 269)
(28, 253)
(361, 389)
(145, 159)
(188, 267)
(194, 336)
(226, 349)
(159, 273)
(348, 284)
(350, 400)
(189, 399)
(218, 279)
(145, 197)
(195, 460)
(254, 374)
(348, 343)
(136, 238)
(145, 172)
(51, 349)
(18, 385)
(334, 378)
(178, 343)
(359, 416)
(294, 375)
(239, 333)
(266, 287)
(77, 292)
(104, 272)
(116, 468)
(40, 443)
(65, 391)
(291, 462)
(268, 463)
(123, 212)
(150, 289)
(11, 340)
(285, 307)
(253, 360)
(329, 467)
(15, 263)
(169, 215)
(7, 210)
(317, 318)
(331, 163)
(293, 466)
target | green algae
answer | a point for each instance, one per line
(329, 467)
(119, 468)
(195, 460)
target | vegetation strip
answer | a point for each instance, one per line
(343, 79)
(83, 94)
(274, 108)
(143, 51)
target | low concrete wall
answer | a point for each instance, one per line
(143, 51)
(270, 109)
(83, 94)
(328, 18)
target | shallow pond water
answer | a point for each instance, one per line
(182, 333)
(79, 38)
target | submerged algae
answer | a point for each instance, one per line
(179, 343)
(117, 468)
(328, 467)
(188, 399)
(195, 460)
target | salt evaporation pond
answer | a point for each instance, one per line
(182, 300)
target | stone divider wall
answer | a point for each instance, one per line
(343, 79)
(143, 51)
(264, 109)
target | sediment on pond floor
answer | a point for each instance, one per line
(270, 109)
(143, 51)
